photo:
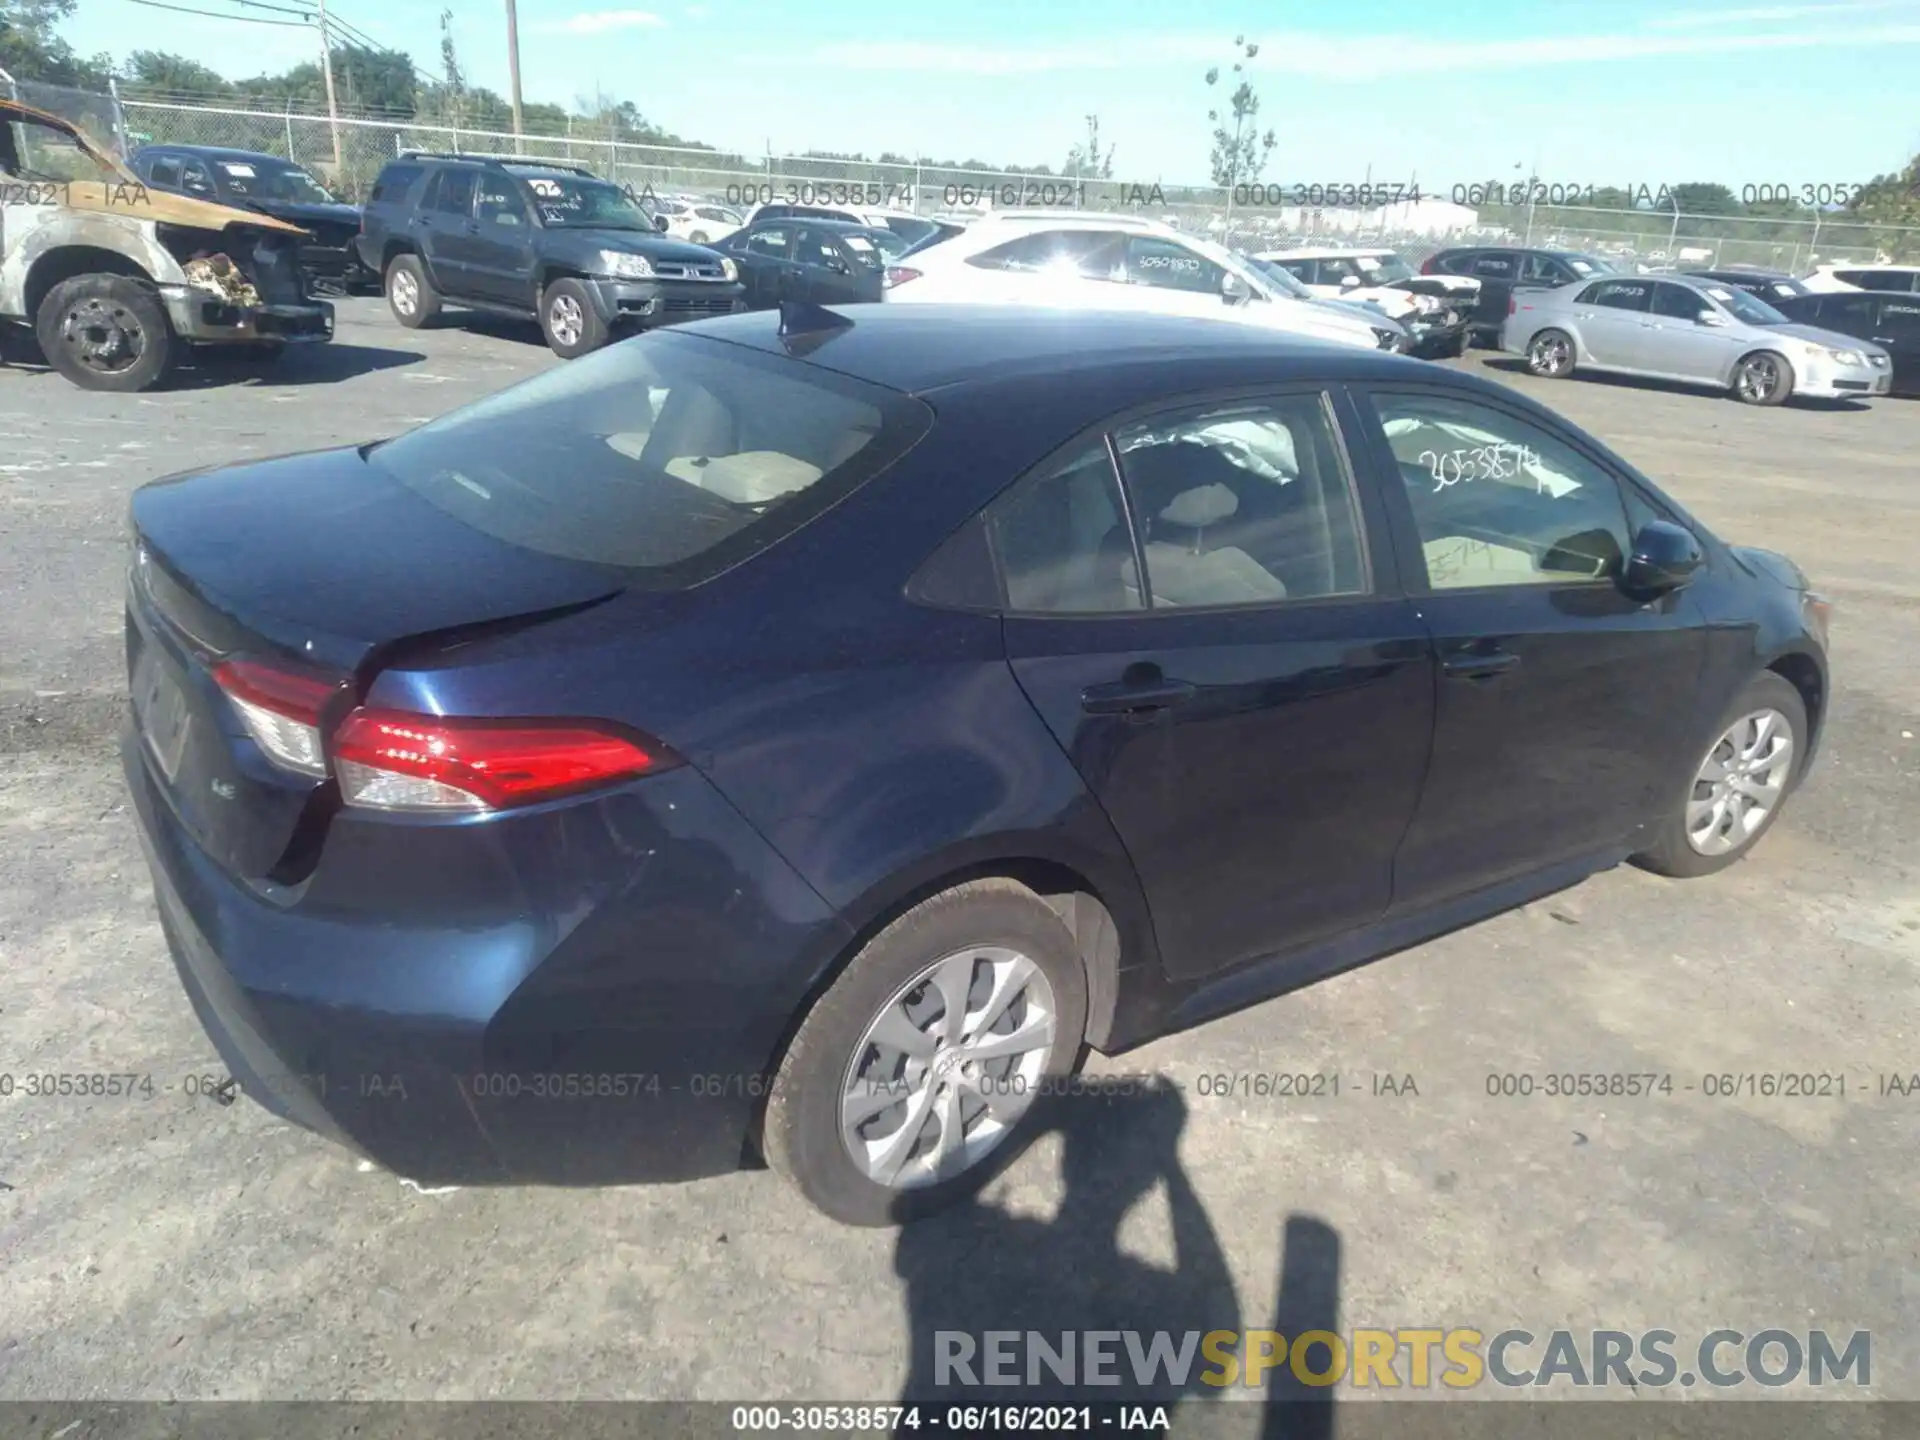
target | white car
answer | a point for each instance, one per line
(700, 221)
(1083, 260)
(1829, 279)
(1379, 278)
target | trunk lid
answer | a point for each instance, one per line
(313, 563)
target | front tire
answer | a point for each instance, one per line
(1763, 378)
(911, 1081)
(1550, 355)
(410, 294)
(1737, 789)
(106, 332)
(568, 319)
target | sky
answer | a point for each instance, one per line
(1621, 92)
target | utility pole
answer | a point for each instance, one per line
(513, 63)
(326, 69)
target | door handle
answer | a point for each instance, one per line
(1127, 697)
(1479, 665)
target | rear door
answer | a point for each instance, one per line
(1177, 280)
(763, 254)
(1563, 712)
(502, 243)
(823, 274)
(444, 229)
(1496, 270)
(1255, 714)
(1613, 316)
(1897, 328)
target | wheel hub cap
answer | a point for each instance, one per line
(105, 337)
(1740, 783)
(567, 320)
(947, 1067)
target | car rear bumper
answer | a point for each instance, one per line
(584, 994)
(1437, 337)
(206, 319)
(650, 303)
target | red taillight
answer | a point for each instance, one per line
(281, 710)
(394, 760)
(898, 275)
(1430, 266)
(1513, 305)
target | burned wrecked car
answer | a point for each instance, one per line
(118, 280)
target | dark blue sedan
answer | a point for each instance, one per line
(802, 734)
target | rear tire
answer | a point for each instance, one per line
(1550, 355)
(942, 1113)
(568, 319)
(1731, 798)
(106, 332)
(410, 294)
(1763, 378)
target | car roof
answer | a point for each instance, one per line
(815, 222)
(922, 348)
(215, 152)
(1323, 253)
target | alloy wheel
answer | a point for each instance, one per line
(1550, 355)
(406, 294)
(1740, 783)
(1757, 378)
(566, 320)
(947, 1068)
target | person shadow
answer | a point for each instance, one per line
(1046, 1284)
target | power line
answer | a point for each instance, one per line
(216, 15)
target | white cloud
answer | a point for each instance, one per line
(1771, 14)
(1327, 57)
(599, 22)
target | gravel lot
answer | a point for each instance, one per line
(176, 1248)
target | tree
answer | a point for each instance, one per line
(1702, 197)
(1891, 199)
(176, 75)
(31, 50)
(1089, 161)
(1240, 151)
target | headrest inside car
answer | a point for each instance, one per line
(1197, 508)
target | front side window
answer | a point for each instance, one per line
(194, 178)
(1167, 265)
(499, 205)
(1242, 505)
(165, 172)
(1496, 500)
(1677, 302)
(668, 454)
(816, 248)
(1545, 270)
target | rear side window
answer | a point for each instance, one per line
(165, 172)
(1900, 319)
(1492, 267)
(1620, 295)
(1852, 314)
(394, 183)
(1093, 254)
(671, 455)
(453, 195)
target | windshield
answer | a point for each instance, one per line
(1280, 277)
(665, 453)
(1383, 269)
(50, 154)
(269, 180)
(1746, 308)
(576, 202)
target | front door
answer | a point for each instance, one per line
(501, 255)
(1685, 345)
(1562, 719)
(1236, 679)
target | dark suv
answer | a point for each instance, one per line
(1501, 269)
(534, 238)
(273, 185)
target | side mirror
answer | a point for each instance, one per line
(660, 222)
(1664, 558)
(1351, 282)
(1711, 317)
(1233, 289)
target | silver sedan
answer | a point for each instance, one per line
(1673, 327)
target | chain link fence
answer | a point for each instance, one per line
(349, 152)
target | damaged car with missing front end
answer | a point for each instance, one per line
(119, 282)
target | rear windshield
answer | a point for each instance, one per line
(671, 455)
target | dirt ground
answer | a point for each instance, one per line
(176, 1248)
